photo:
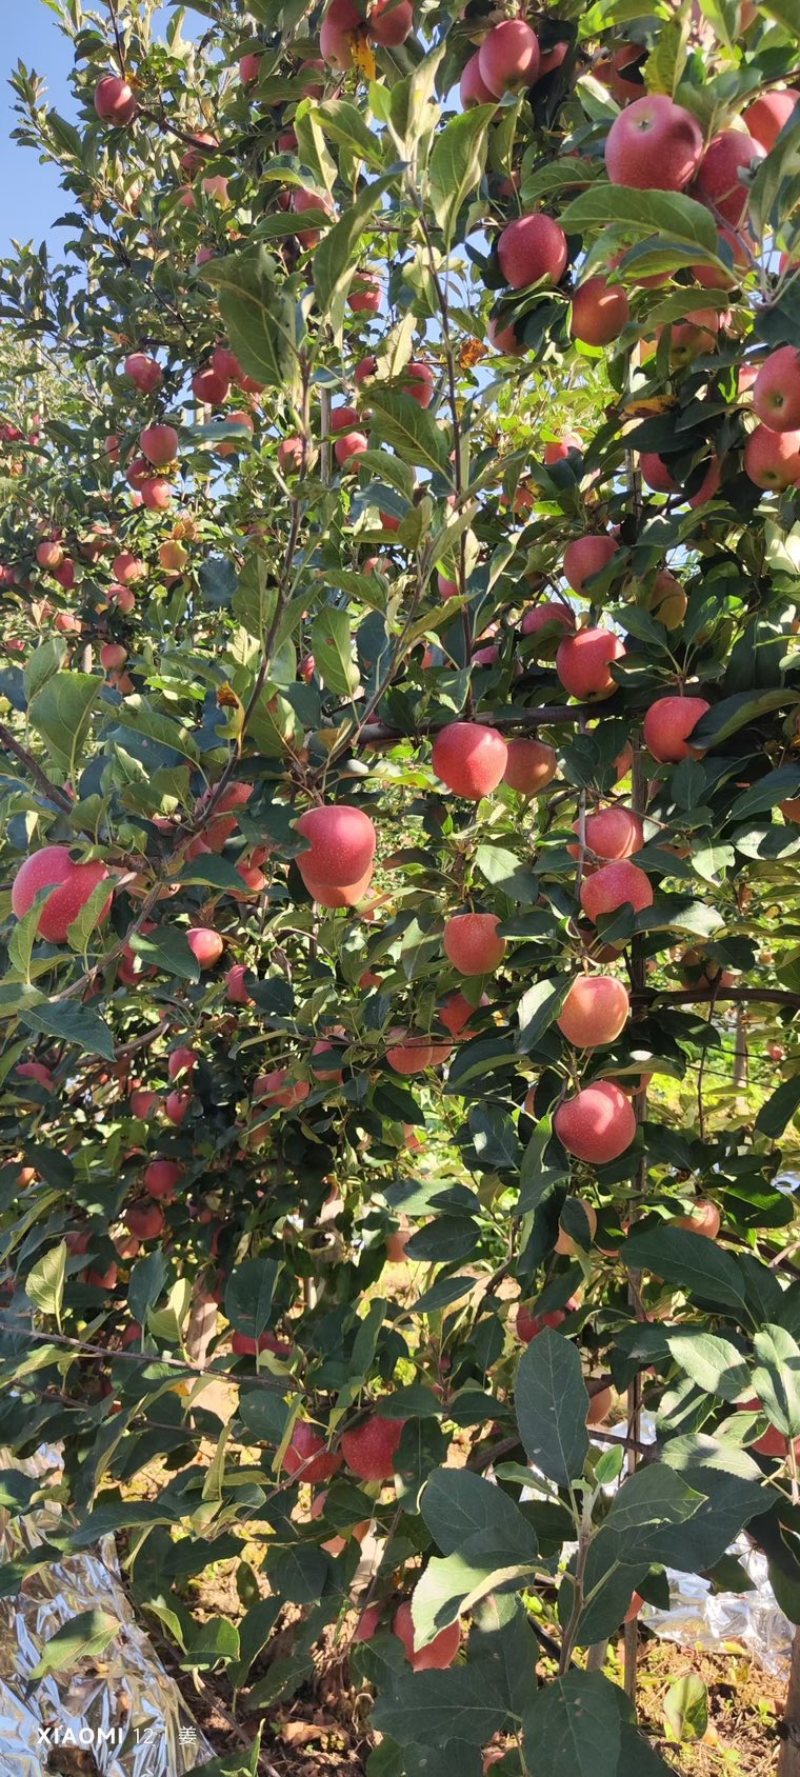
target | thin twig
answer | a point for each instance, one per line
(35, 770)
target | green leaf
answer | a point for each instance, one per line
(442, 1293)
(650, 1499)
(40, 666)
(255, 1629)
(338, 252)
(539, 1008)
(167, 948)
(237, 1764)
(259, 316)
(504, 871)
(494, 1137)
(733, 713)
(248, 1296)
(779, 1109)
(344, 123)
(147, 1282)
(409, 429)
(61, 712)
(574, 1726)
(72, 1022)
(299, 1574)
(638, 1758)
(22, 940)
(85, 1636)
(686, 1708)
(333, 651)
(689, 1260)
(81, 929)
(776, 786)
(215, 1644)
(139, 715)
(724, 16)
(44, 1284)
(458, 1506)
(255, 597)
(552, 1405)
(713, 1363)
(429, 1708)
(645, 213)
(776, 1378)
(457, 163)
(667, 59)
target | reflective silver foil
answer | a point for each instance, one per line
(121, 1707)
(699, 1617)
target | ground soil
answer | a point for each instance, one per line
(318, 1733)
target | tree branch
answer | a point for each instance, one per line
(35, 770)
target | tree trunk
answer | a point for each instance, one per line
(789, 1758)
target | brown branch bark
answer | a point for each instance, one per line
(789, 1729)
(34, 770)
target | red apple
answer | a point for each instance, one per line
(504, 339)
(469, 758)
(235, 986)
(364, 297)
(704, 1218)
(369, 1449)
(566, 1245)
(415, 1054)
(49, 555)
(654, 145)
(342, 842)
(70, 884)
(668, 601)
(585, 557)
(530, 766)
(594, 1012)
(348, 445)
(115, 101)
(338, 33)
(668, 725)
(613, 886)
(307, 1455)
(655, 474)
(390, 22)
(509, 57)
(583, 663)
(772, 459)
(143, 371)
(597, 1124)
(471, 943)
(532, 250)
(419, 381)
(613, 832)
(127, 569)
(768, 114)
(249, 68)
(161, 1179)
(530, 1325)
(205, 944)
(472, 88)
(145, 1221)
(718, 183)
(599, 312)
(439, 1653)
(776, 390)
(159, 444)
(209, 387)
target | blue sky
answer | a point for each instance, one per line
(30, 199)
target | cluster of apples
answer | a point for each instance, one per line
(345, 29)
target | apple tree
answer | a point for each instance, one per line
(400, 777)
